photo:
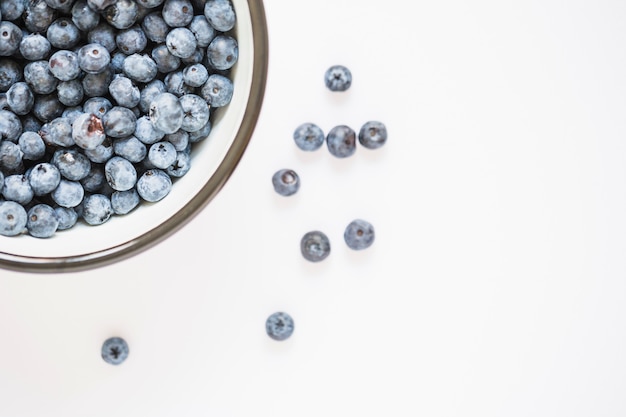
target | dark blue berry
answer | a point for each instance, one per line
(315, 246)
(220, 14)
(96, 209)
(63, 33)
(217, 91)
(359, 234)
(10, 38)
(308, 137)
(222, 52)
(341, 141)
(279, 326)
(13, 218)
(177, 13)
(35, 47)
(338, 78)
(286, 182)
(154, 185)
(373, 135)
(42, 221)
(20, 98)
(114, 350)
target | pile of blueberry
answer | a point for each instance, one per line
(101, 102)
(341, 142)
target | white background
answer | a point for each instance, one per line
(496, 284)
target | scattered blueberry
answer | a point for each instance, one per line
(308, 137)
(286, 182)
(341, 141)
(359, 234)
(42, 221)
(315, 246)
(338, 78)
(114, 350)
(279, 326)
(373, 135)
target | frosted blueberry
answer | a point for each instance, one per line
(17, 188)
(32, 146)
(131, 40)
(88, 131)
(72, 164)
(124, 202)
(179, 139)
(195, 75)
(35, 47)
(93, 58)
(10, 38)
(63, 33)
(286, 182)
(122, 14)
(165, 61)
(42, 221)
(64, 65)
(70, 93)
(341, 141)
(279, 326)
(37, 16)
(67, 217)
(120, 173)
(220, 14)
(101, 153)
(68, 193)
(96, 209)
(47, 107)
(181, 165)
(97, 85)
(201, 134)
(308, 137)
(20, 98)
(162, 154)
(202, 30)
(222, 52)
(217, 91)
(315, 246)
(84, 17)
(338, 78)
(11, 156)
(146, 132)
(114, 350)
(130, 148)
(154, 185)
(166, 113)
(119, 122)
(140, 68)
(155, 27)
(373, 135)
(44, 178)
(177, 13)
(359, 234)
(104, 35)
(10, 73)
(57, 132)
(39, 77)
(124, 92)
(196, 112)
(10, 126)
(12, 218)
(175, 84)
(181, 42)
(98, 106)
(12, 9)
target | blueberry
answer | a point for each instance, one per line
(97, 85)
(195, 75)
(38, 15)
(17, 188)
(98, 106)
(154, 185)
(308, 137)
(104, 35)
(35, 47)
(47, 107)
(201, 134)
(10, 38)
(175, 84)
(180, 166)
(57, 132)
(10, 73)
(166, 113)
(286, 182)
(140, 68)
(217, 91)
(44, 178)
(195, 112)
(315, 246)
(177, 13)
(96, 209)
(338, 78)
(101, 153)
(179, 139)
(146, 132)
(70, 93)
(202, 30)
(359, 234)
(123, 202)
(181, 42)
(130, 148)
(119, 122)
(162, 155)
(72, 113)
(131, 40)
(93, 58)
(122, 14)
(155, 27)
(220, 14)
(341, 141)
(373, 135)
(124, 92)
(84, 17)
(279, 326)
(20, 98)
(12, 9)
(12, 218)
(164, 60)
(114, 350)
(64, 65)
(72, 164)
(68, 193)
(63, 34)
(39, 77)
(120, 174)
(67, 217)
(222, 52)
(32, 146)
(11, 156)
(42, 221)
(95, 180)
(10, 126)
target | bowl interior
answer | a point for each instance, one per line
(84, 241)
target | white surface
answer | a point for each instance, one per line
(495, 286)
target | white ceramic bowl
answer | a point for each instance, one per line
(213, 160)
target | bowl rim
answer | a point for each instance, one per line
(209, 190)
